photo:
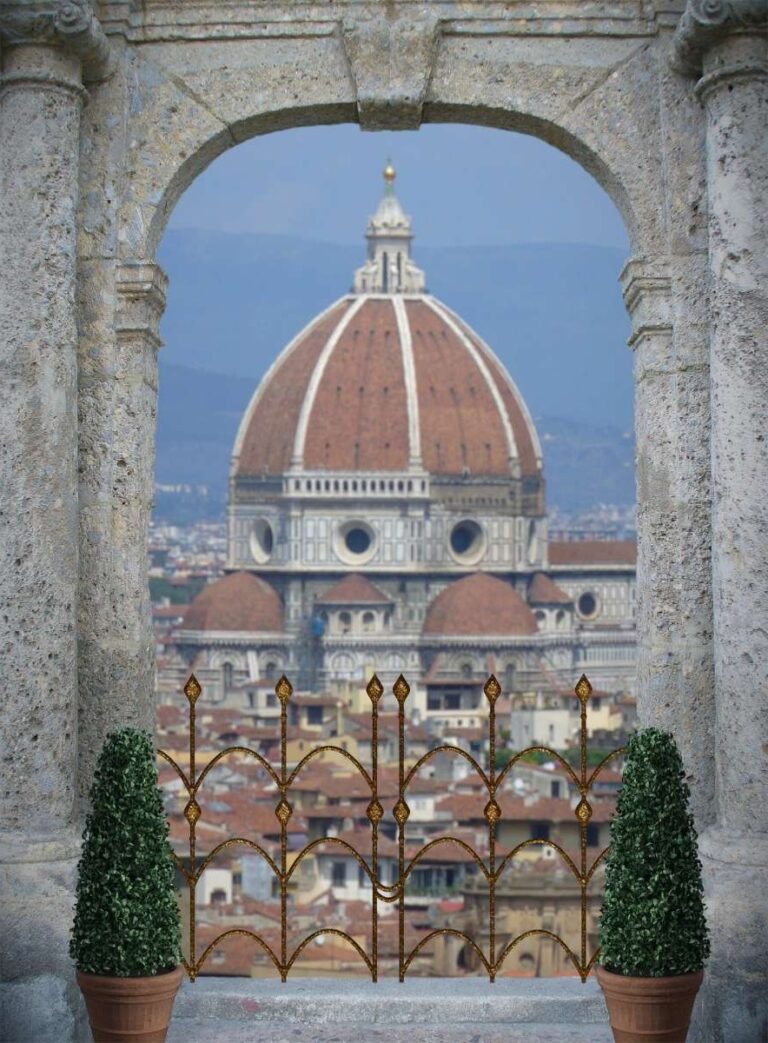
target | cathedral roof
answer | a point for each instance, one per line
(388, 379)
(239, 602)
(353, 589)
(592, 552)
(479, 604)
(383, 383)
(542, 591)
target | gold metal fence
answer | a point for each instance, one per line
(392, 893)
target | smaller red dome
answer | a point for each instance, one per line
(479, 604)
(238, 602)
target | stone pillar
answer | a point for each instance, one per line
(727, 44)
(666, 430)
(116, 648)
(646, 288)
(45, 54)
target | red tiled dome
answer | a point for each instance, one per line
(377, 383)
(479, 605)
(238, 602)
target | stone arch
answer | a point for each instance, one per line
(186, 109)
(630, 177)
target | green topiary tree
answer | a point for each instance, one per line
(126, 914)
(653, 923)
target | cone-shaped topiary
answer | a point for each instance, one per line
(126, 915)
(652, 923)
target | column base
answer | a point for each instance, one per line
(733, 1003)
(39, 998)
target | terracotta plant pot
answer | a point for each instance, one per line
(649, 1010)
(130, 1010)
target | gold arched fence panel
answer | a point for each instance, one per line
(491, 868)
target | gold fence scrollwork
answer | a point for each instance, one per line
(491, 870)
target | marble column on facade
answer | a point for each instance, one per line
(116, 648)
(46, 53)
(725, 47)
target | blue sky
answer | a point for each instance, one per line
(467, 186)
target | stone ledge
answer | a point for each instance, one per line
(189, 1031)
(448, 1002)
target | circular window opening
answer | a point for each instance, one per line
(357, 540)
(587, 605)
(262, 540)
(467, 541)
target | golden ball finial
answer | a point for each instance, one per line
(389, 173)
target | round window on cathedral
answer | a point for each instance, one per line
(467, 542)
(262, 541)
(355, 542)
(587, 605)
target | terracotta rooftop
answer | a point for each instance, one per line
(238, 602)
(479, 605)
(467, 808)
(593, 552)
(543, 591)
(353, 590)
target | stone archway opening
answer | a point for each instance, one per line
(463, 547)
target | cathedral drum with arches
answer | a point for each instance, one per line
(387, 514)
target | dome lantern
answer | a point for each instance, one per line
(389, 268)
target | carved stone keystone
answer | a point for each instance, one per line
(391, 64)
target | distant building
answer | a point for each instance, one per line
(387, 514)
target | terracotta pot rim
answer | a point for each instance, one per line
(161, 980)
(682, 981)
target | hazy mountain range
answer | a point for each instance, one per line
(552, 312)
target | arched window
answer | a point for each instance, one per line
(369, 621)
(345, 622)
(227, 675)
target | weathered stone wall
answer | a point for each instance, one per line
(154, 91)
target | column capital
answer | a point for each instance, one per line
(141, 288)
(69, 24)
(647, 290)
(706, 22)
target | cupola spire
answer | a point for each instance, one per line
(389, 268)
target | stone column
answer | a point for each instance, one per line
(46, 51)
(726, 43)
(120, 405)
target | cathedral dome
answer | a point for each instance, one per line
(239, 602)
(388, 379)
(479, 604)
